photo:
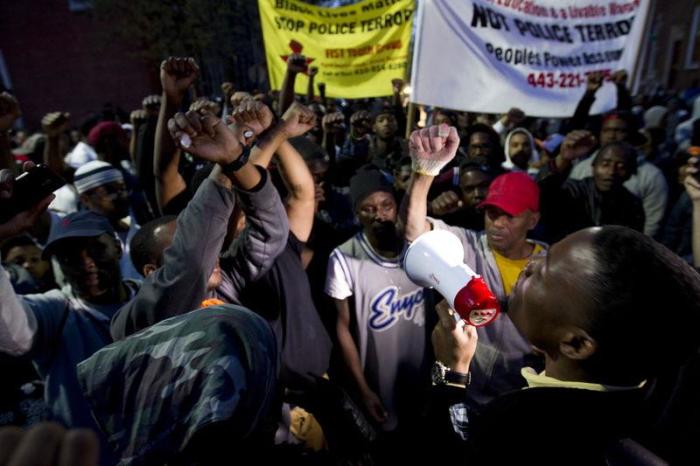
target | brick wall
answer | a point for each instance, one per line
(57, 61)
(671, 34)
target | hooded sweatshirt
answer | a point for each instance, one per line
(654, 117)
(534, 157)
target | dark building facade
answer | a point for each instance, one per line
(54, 58)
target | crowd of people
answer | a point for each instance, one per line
(221, 280)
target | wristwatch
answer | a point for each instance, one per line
(442, 375)
(238, 163)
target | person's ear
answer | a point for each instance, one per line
(118, 245)
(149, 269)
(533, 220)
(577, 344)
(86, 201)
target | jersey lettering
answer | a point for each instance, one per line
(387, 307)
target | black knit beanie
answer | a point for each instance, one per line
(368, 180)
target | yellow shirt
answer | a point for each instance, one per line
(510, 268)
(541, 380)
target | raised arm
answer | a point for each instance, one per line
(577, 145)
(54, 125)
(322, 94)
(296, 63)
(397, 86)
(333, 125)
(430, 149)
(624, 98)
(594, 81)
(267, 227)
(296, 121)
(138, 119)
(17, 326)
(180, 284)
(176, 77)
(508, 121)
(313, 71)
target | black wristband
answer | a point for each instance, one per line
(238, 163)
(442, 375)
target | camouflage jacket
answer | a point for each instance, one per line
(153, 392)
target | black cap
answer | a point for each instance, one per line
(368, 180)
(81, 224)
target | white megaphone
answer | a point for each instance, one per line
(435, 260)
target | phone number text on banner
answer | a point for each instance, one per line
(358, 49)
(491, 55)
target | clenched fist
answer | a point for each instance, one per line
(177, 74)
(432, 148)
(446, 203)
(297, 120)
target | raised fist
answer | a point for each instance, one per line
(55, 123)
(204, 135)
(297, 120)
(238, 97)
(177, 74)
(296, 63)
(361, 123)
(446, 203)
(227, 89)
(619, 77)
(514, 117)
(577, 144)
(594, 81)
(138, 117)
(333, 122)
(397, 85)
(252, 118)
(205, 104)
(151, 105)
(313, 71)
(432, 148)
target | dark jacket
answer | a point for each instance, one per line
(552, 426)
(179, 286)
(543, 426)
(569, 205)
(677, 231)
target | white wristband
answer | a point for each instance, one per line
(428, 167)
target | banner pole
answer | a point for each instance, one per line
(411, 111)
(643, 50)
(410, 116)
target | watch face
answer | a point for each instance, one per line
(438, 374)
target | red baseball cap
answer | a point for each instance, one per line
(104, 129)
(513, 193)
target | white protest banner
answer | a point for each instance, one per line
(491, 55)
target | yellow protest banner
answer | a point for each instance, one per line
(358, 48)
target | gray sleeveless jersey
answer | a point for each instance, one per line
(388, 319)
